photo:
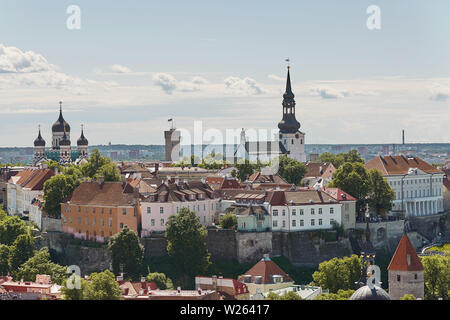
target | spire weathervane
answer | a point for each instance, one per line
(60, 106)
(288, 62)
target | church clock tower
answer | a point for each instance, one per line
(290, 136)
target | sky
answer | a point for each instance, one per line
(132, 65)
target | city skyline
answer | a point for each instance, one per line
(373, 84)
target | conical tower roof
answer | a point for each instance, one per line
(39, 142)
(405, 257)
(60, 125)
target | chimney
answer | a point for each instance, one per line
(156, 167)
(120, 278)
(178, 289)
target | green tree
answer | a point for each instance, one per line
(437, 276)
(40, 263)
(338, 273)
(353, 179)
(161, 280)
(380, 194)
(71, 292)
(4, 260)
(95, 162)
(21, 251)
(127, 253)
(110, 172)
(3, 214)
(408, 297)
(53, 165)
(339, 159)
(291, 295)
(102, 286)
(11, 228)
(244, 170)
(228, 221)
(340, 295)
(186, 244)
(291, 170)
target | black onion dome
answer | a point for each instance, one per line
(64, 141)
(289, 123)
(60, 125)
(365, 293)
(82, 141)
(39, 142)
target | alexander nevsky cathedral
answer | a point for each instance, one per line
(61, 150)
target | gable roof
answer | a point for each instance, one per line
(107, 194)
(339, 194)
(32, 179)
(394, 165)
(405, 257)
(266, 268)
(314, 169)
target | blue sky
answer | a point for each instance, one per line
(135, 64)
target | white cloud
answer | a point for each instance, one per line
(329, 93)
(14, 60)
(199, 80)
(440, 93)
(169, 84)
(246, 86)
(117, 68)
(276, 78)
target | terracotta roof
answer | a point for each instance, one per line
(405, 257)
(280, 198)
(394, 165)
(339, 194)
(258, 177)
(319, 169)
(266, 268)
(134, 288)
(107, 194)
(32, 179)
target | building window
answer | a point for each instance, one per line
(70, 219)
(320, 222)
(294, 212)
(121, 225)
(124, 211)
(284, 212)
(79, 220)
(301, 212)
(103, 222)
(313, 223)
(302, 223)
(94, 222)
(87, 209)
(320, 210)
(110, 222)
(149, 210)
(284, 223)
(415, 276)
(312, 210)
(294, 223)
(332, 209)
(110, 210)
(79, 209)
(275, 223)
(162, 222)
(87, 221)
(103, 210)
(93, 210)
(153, 222)
(275, 213)
(398, 277)
(161, 210)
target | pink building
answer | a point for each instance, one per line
(173, 195)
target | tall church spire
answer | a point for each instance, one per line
(289, 123)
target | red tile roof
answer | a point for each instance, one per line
(405, 257)
(339, 194)
(394, 165)
(319, 169)
(33, 179)
(266, 268)
(108, 194)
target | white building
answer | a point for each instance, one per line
(417, 184)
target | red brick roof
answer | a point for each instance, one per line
(405, 257)
(266, 268)
(339, 194)
(393, 165)
(107, 194)
(319, 169)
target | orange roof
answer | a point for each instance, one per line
(339, 194)
(393, 165)
(405, 257)
(33, 178)
(266, 268)
(107, 194)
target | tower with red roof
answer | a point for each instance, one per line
(406, 273)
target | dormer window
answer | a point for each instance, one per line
(408, 259)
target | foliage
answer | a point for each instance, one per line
(244, 170)
(95, 163)
(291, 170)
(300, 275)
(437, 276)
(40, 263)
(11, 228)
(4, 260)
(353, 179)
(291, 295)
(72, 293)
(110, 172)
(186, 244)
(444, 248)
(408, 297)
(340, 295)
(338, 273)
(161, 280)
(127, 253)
(339, 159)
(380, 193)
(21, 250)
(102, 286)
(52, 165)
(3, 214)
(228, 221)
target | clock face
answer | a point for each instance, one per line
(297, 136)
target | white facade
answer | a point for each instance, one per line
(295, 145)
(305, 217)
(156, 214)
(417, 193)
